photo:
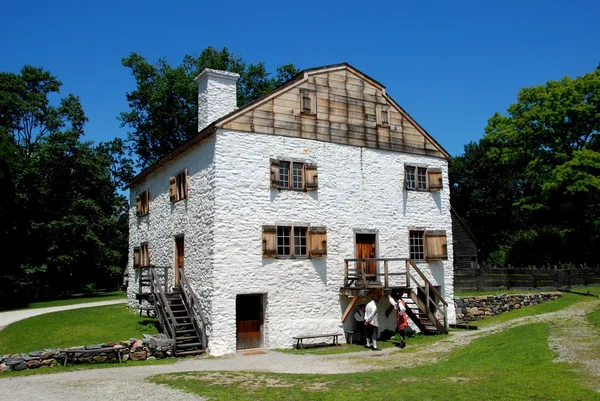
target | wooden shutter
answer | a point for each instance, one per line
(311, 179)
(269, 241)
(274, 173)
(138, 205)
(136, 258)
(318, 241)
(186, 183)
(435, 179)
(147, 205)
(173, 188)
(435, 245)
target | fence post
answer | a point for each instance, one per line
(385, 271)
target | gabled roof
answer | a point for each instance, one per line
(294, 81)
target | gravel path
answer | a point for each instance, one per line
(128, 383)
(9, 317)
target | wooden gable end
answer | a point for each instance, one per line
(348, 110)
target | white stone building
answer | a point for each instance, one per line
(262, 207)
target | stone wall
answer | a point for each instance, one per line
(151, 347)
(469, 309)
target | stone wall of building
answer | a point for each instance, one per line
(469, 309)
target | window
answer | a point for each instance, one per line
(141, 256)
(142, 203)
(308, 101)
(422, 178)
(294, 241)
(383, 115)
(178, 186)
(428, 245)
(293, 175)
(417, 249)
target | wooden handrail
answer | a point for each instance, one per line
(194, 303)
(168, 319)
(420, 273)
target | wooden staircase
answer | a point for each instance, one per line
(178, 311)
(425, 306)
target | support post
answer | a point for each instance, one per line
(385, 272)
(345, 274)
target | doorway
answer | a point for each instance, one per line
(179, 257)
(366, 248)
(249, 318)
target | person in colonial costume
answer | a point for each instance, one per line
(401, 319)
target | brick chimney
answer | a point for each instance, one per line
(217, 95)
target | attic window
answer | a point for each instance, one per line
(308, 102)
(383, 115)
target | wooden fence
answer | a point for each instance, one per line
(468, 279)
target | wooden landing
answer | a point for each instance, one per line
(372, 289)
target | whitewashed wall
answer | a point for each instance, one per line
(358, 189)
(192, 217)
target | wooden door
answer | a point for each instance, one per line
(365, 248)
(179, 257)
(249, 320)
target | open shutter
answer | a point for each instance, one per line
(136, 258)
(274, 173)
(138, 205)
(435, 245)
(435, 179)
(318, 241)
(173, 188)
(186, 184)
(269, 241)
(311, 179)
(147, 205)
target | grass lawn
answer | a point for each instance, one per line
(594, 318)
(74, 327)
(515, 364)
(109, 296)
(591, 289)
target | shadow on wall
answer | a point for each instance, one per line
(320, 265)
(437, 272)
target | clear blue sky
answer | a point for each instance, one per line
(450, 64)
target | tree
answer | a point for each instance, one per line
(164, 106)
(60, 206)
(544, 156)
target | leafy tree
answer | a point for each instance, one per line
(544, 158)
(60, 206)
(164, 106)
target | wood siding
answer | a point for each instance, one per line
(463, 244)
(348, 111)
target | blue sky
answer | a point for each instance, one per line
(450, 64)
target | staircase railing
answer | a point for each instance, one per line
(158, 288)
(194, 307)
(428, 298)
(356, 274)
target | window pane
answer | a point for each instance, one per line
(410, 177)
(283, 241)
(306, 103)
(300, 241)
(422, 178)
(417, 251)
(297, 175)
(284, 174)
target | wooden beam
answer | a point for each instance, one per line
(349, 308)
(389, 310)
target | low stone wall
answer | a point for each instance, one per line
(151, 347)
(469, 309)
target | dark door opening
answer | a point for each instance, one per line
(179, 257)
(249, 320)
(365, 248)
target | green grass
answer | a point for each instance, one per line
(591, 289)
(594, 318)
(73, 328)
(109, 296)
(515, 364)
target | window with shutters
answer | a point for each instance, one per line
(294, 241)
(383, 115)
(308, 102)
(178, 186)
(428, 245)
(142, 203)
(141, 256)
(422, 178)
(298, 176)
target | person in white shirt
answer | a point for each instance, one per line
(401, 319)
(371, 323)
(359, 329)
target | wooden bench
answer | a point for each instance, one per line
(334, 337)
(147, 309)
(73, 351)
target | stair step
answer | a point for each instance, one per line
(183, 324)
(191, 352)
(188, 331)
(186, 317)
(189, 345)
(187, 339)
